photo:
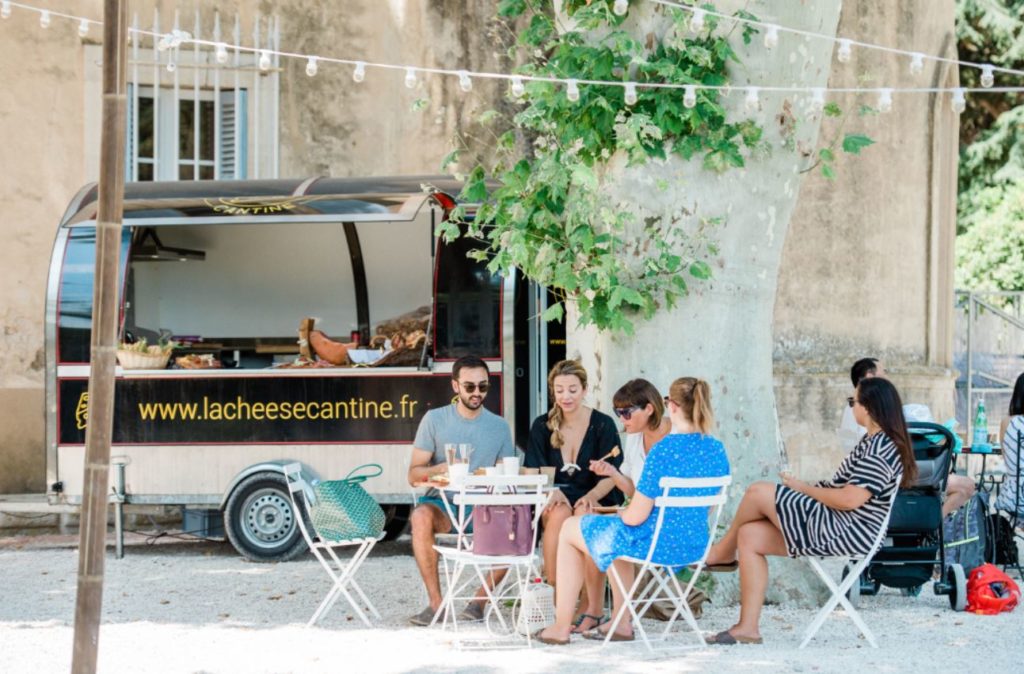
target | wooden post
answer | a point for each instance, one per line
(92, 543)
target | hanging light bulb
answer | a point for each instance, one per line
(572, 91)
(5, 9)
(697, 21)
(410, 77)
(620, 7)
(171, 65)
(465, 83)
(959, 101)
(359, 74)
(916, 64)
(752, 103)
(264, 60)
(44, 19)
(311, 66)
(771, 38)
(885, 100)
(845, 50)
(630, 94)
(222, 53)
(818, 99)
(690, 96)
(83, 27)
(988, 76)
(518, 89)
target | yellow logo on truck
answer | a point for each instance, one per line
(82, 411)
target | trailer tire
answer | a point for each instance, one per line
(260, 522)
(397, 520)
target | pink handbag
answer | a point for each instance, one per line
(502, 530)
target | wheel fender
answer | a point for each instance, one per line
(309, 475)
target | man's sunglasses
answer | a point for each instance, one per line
(625, 412)
(471, 387)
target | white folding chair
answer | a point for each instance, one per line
(342, 573)
(664, 585)
(839, 591)
(477, 491)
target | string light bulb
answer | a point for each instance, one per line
(885, 100)
(752, 103)
(845, 51)
(988, 76)
(630, 93)
(620, 7)
(465, 83)
(264, 60)
(572, 91)
(818, 99)
(311, 67)
(771, 38)
(690, 96)
(697, 21)
(222, 53)
(959, 101)
(83, 28)
(5, 9)
(44, 19)
(917, 64)
(518, 89)
(171, 65)
(359, 74)
(410, 78)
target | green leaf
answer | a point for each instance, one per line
(555, 312)
(450, 158)
(832, 109)
(701, 270)
(853, 143)
(826, 154)
(828, 171)
(488, 116)
(420, 104)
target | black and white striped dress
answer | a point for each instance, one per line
(811, 528)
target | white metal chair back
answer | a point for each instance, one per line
(664, 584)
(342, 572)
(839, 591)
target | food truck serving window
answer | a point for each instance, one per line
(468, 304)
(76, 287)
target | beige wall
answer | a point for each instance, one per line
(866, 264)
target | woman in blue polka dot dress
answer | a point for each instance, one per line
(686, 452)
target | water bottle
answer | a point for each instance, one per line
(980, 425)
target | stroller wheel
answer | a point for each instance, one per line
(957, 587)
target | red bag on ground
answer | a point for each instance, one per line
(990, 591)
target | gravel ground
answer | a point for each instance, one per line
(198, 607)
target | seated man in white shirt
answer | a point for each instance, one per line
(959, 488)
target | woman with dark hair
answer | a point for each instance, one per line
(1012, 433)
(840, 516)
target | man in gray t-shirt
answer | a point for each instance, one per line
(465, 421)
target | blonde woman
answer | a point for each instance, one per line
(689, 451)
(569, 437)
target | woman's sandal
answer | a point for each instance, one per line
(597, 635)
(725, 638)
(548, 640)
(577, 624)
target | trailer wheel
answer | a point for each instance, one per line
(853, 594)
(957, 587)
(260, 521)
(396, 522)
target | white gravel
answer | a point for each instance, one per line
(198, 607)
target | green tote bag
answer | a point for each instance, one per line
(344, 510)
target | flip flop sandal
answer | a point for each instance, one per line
(598, 619)
(725, 638)
(598, 635)
(548, 640)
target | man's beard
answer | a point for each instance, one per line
(467, 402)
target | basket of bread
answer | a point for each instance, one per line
(141, 355)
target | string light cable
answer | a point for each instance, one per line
(173, 40)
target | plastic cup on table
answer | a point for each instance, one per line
(465, 452)
(450, 454)
(457, 473)
(511, 465)
(492, 471)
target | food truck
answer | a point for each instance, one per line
(229, 270)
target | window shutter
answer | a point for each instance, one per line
(233, 127)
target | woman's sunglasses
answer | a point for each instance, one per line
(625, 412)
(471, 387)
(851, 401)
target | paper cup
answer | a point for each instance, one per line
(457, 472)
(492, 471)
(511, 465)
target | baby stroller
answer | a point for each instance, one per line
(914, 542)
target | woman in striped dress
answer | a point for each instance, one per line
(840, 516)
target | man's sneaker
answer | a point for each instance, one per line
(424, 617)
(474, 612)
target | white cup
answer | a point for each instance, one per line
(492, 471)
(457, 473)
(511, 465)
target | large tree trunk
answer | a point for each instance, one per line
(722, 331)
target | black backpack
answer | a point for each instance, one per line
(1003, 547)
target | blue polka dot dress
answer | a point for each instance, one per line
(684, 533)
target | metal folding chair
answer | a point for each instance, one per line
(342, 572)
(664, 585)
(839, 591)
